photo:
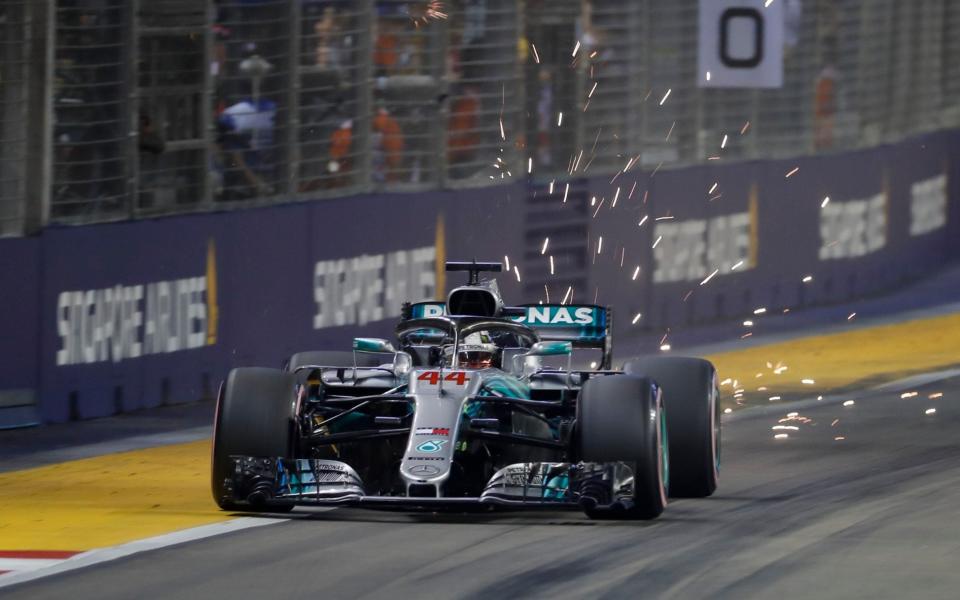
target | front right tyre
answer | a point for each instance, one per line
(255, 416)
(620, 419)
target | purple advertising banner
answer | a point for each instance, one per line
(117, 317)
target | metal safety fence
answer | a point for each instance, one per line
(168, 106)
(13, 110)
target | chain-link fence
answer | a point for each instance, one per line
(167, 106)
(13, 112)
(92, 116)
(172, 111)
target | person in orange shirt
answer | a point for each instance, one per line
(341, 141)
(391, 142)
(463, 137)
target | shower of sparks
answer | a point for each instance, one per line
(615, 196)
(599, 244)
(637, 318)
(713, 187)
(433, 11)
(709, 277)
(566, 189)
(551, 264)
(736, 266)
(807, 279)
(665, 96)
(506, 260)
(530, 165)
(723, 144)
(575, 49)
(546, 242)
(643, 220)
(503, 135)
(592, 90)
(569, 294)
(792, 172)
(536, 57)
(657, 242)
(851, 316)
(635, 273)
(826, 200)
(760, 311)
(560, 119)
(516, 272)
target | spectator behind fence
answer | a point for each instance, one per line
(825, 99)
(245, 140)
(464, 136)
(389, 143)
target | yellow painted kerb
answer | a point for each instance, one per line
(108, 500)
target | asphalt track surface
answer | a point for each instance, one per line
(874, 515)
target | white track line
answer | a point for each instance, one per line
(101, 555)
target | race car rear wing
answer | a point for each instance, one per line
(583, 325)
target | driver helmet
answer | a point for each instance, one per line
(477, 351)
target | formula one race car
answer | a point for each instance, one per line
(467, 414)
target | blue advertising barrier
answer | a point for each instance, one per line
(117, 317)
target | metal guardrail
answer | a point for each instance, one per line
(168, 106)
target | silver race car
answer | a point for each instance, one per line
(477, 407)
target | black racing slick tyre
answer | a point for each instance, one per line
(620, 419)
(691, 396)
(255, 416)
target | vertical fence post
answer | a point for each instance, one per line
(131, 42)
(293, 96)
(206, 106)
(364, 121)
(39, 115)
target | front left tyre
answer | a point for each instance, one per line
(691, 396)
(255, 416)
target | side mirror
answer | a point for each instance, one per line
(551, 349)
(402, 364)
(372, 345)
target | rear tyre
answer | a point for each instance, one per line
(255, 417)
(691, 396)
(620, 418)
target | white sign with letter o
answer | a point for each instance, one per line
(741, 44)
